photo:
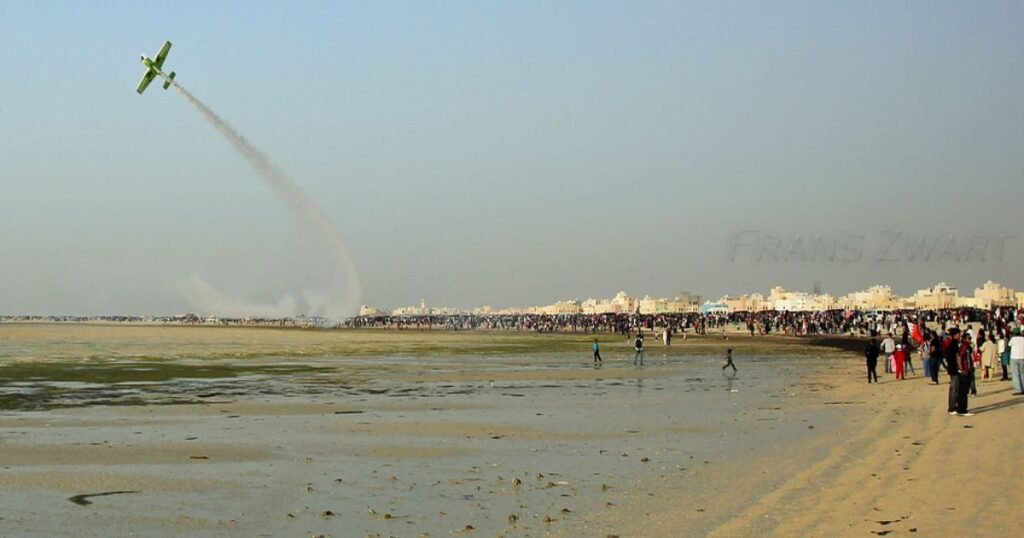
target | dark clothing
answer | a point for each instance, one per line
(952, 356)
(935, 357)
(728, 363)
(961, 395)
(959, 385)
(871, 355)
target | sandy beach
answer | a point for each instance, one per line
(444, 439)
(902, 465)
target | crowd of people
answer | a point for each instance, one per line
(830, 322)
(994, 348)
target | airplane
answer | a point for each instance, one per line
(154, 66)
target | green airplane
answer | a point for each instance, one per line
(154, 66)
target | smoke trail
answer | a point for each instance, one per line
(341, 299)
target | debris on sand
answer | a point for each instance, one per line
(83, 500)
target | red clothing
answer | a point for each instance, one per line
(966, 359)
(898, 358)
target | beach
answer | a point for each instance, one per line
(903, 465)
(166, 430)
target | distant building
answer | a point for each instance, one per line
(370, 311)
(420, 310)
(990, 295)
(595, 306)
(748, 302)
(406, 311)
(800, 301)
(876, 297)
(561, 308)
(651, 305)
(714, 308)
(623, 303)
(939, 296)
(688, 298)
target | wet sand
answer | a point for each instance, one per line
(903, 466)
(515, 444)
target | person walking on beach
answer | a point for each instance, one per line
(1016, 346)
(638, 348)
(871, 355)
(597, 352)
(888, 348)
(728, 361)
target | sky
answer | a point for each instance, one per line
(509, 153)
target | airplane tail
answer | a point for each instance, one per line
(169, 79)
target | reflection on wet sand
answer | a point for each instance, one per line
(520, 444)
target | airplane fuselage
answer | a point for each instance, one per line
(149, 64)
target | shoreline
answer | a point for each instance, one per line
(899, 464)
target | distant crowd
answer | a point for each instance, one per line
(831, 322)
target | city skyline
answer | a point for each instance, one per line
(878, 296)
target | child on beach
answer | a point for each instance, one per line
(898, 357)
(597, 352)
(728, 361)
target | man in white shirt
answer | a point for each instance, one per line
(1017, 361)
(888, 348)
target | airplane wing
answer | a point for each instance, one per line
(162, 55)
(146, 79)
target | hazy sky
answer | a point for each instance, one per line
(510, 153)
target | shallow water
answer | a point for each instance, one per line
(517, 444)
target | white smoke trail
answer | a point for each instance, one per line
(342, 297)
